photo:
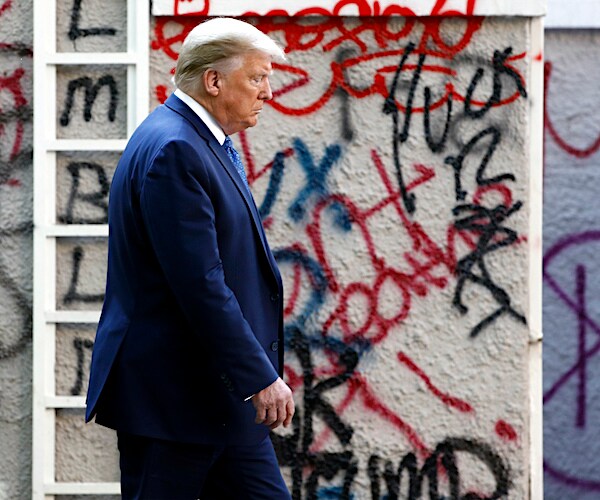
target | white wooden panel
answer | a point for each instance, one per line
(65, 402)
(534, 318)
(73, 58)
(74, 230)
(46, 145)
(72, 316)
(86, 144)
(82, 488)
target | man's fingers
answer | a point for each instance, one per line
(271, 417)
(290, 409)
(281, 413)
(285, 413)
(261, 414)
(274, 405)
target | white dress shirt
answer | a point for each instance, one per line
(203, 114)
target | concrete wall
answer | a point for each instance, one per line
(571, 289)
(393, 356)
(401, 232)
(16, 40)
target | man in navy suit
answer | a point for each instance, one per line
(188, 355)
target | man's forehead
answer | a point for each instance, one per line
(258, 61)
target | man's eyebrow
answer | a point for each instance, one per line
(263, 73)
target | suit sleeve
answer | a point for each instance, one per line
(180, 220)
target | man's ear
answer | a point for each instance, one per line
(212, 82)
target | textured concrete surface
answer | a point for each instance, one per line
(406, 332)
(15, 247)
(571, 285)
(386, 368)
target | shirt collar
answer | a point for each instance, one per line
(203, 114)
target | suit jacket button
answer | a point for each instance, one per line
(274, 346)
(274, 297)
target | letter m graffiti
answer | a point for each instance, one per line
(91, 90)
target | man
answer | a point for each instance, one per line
(189, 350)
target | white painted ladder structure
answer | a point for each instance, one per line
(46, 230)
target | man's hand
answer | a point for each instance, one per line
(274, 405)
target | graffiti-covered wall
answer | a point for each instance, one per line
(391, 173)
(571, 290)
(391, 170)
(15, 246)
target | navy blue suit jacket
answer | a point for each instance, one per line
(192, 321)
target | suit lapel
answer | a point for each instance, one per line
(222, 156)
(177, 105)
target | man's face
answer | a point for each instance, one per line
(243, 93)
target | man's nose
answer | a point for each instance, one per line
(266, 93)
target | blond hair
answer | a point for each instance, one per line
(219, 44)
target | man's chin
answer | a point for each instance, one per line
(244, 126)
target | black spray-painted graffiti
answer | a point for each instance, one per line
(98, 198)
(331, 474)
(493, 236)
(76, 32)
(91, 93)
(441, 462)
(435, 471)
(294, 451)
(15, 158)
(22, 300)
(440, 470)
(500, 67)
(486, 223)
(73, 295)
(81, 346)
(347, 127)
(390, 108)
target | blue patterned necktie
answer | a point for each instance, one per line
(236, 160)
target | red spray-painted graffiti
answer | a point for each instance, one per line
(296, 34)
(549, 125)
(5, 6)
(12, 84)
(15, 157)
(15, 111)
(432, 267)
(341, 7)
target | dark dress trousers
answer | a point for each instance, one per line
(192, 321)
